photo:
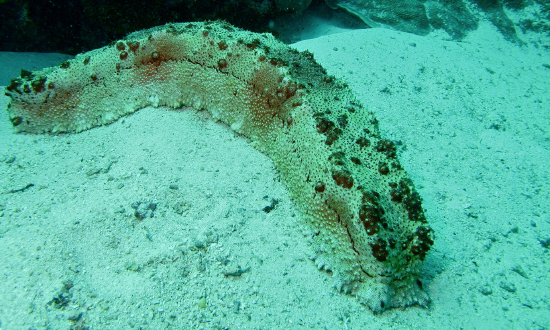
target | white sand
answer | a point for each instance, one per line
(473, 119)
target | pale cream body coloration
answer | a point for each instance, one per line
(369, 227)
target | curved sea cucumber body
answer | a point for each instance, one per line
(370, 229)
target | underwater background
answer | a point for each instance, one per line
(167, 220)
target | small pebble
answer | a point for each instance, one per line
(202, 302)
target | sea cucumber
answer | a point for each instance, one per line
(369, 227)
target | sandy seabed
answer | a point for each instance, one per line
(472, 122)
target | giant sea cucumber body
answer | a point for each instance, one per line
(370, 228)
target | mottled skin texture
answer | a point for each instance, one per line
(369, 227)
